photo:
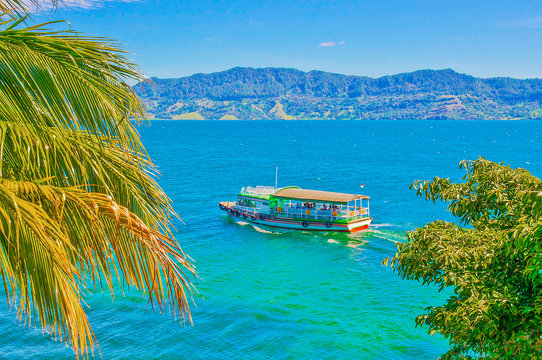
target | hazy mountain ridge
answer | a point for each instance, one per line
(270, 93)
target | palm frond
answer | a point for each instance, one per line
(61, 78)
(24, 7)
(37, 272)
(78, 196)
(73, 158)
(95, 235)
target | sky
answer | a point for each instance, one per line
(371, 38)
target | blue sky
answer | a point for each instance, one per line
(372, 37)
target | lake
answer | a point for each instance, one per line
(265, 293)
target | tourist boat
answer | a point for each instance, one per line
(295, 208)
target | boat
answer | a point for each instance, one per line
(292, 207)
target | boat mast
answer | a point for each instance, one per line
(276, 176)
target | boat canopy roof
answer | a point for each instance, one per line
(260, 192)
(316, 195)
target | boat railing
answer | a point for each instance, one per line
(247, 210)
(310, 214)
(316, 214)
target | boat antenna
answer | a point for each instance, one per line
(276, 177)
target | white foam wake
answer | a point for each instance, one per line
(381, 225)
(387, 235)
(355, 244)
(262, 230)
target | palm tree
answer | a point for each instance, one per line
(79, 205)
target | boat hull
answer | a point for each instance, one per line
(296, 224)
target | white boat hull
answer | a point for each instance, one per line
(296, 224)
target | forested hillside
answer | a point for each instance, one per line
(278, 93)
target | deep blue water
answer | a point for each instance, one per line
(266, 294)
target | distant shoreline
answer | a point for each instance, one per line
(288, 94)
(344, 120)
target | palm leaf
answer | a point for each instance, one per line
(72, 158)
(63, 79)
(114, 231)
(37, 271)
(24, 7)
(78, 196)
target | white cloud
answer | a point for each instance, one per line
(331, 43)
(78, 4)
(327, 44)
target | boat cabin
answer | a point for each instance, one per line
(295, 203)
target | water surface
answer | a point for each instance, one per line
(268, 294)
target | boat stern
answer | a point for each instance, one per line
(226, 205)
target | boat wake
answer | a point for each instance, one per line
(355, 244)
(332, 241)
(381, 225)
(242, 223)
(262, 230)
(387, 235)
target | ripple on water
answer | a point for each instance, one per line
(297, 295)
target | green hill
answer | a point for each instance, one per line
(278, 93)
(228, 117)
(188, 116)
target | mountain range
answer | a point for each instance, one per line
(280, 93)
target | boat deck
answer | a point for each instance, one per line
(321, 210)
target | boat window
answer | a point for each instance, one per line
(247, 202)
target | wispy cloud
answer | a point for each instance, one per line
(327, 44)
(90, 4)
(527, 23)
(331, 43)
(77, 4)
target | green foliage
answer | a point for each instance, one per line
(79, 203)
(432, 94)
(492, 259)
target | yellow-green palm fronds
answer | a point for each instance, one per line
(88, 237)
(61, 78)
(24, 7)
(145, 256)
(37, 273)
(78, 196)
(72, 158)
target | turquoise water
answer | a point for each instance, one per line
(266, 294)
